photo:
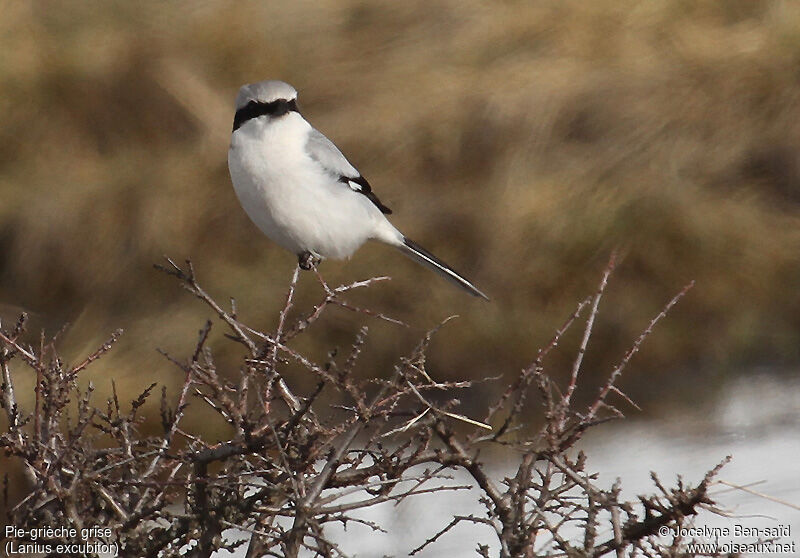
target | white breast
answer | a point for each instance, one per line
(291, 198)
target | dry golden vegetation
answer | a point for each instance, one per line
(520, 141)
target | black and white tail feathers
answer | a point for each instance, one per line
(421, 255)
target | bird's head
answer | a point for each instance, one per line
(271, 98)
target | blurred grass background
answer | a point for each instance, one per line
(519, 141)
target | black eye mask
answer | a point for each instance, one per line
(254, 109)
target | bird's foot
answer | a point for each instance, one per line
(308, 260)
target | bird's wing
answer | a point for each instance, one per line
(323, 151)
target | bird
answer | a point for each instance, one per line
(302, 192)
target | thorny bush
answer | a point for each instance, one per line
(295, 465)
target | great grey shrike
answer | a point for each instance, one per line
(300, 190)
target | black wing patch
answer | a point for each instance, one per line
(359, 184)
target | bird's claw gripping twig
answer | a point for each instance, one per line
(308, 260)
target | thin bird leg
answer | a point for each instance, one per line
(308, 260)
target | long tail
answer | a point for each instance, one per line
(421, 255)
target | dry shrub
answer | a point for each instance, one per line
(294, 464)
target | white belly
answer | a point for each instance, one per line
(291, 199)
